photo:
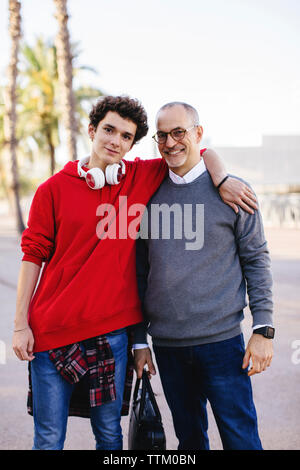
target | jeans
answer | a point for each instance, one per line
(51, 398)
(192, 375)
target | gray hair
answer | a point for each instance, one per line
(193, 113)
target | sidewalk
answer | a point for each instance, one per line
(276, 391)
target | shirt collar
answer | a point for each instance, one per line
(190, 176)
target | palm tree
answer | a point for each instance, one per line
(65, 72)
(39, 113)
(10, 116)
(3, 175)
(38, 97)
(25, 150)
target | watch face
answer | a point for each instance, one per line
(270, 332)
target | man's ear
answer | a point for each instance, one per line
(199, 133)
(91, 131)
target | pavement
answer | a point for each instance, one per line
(276, 391)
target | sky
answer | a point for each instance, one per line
(236, 61)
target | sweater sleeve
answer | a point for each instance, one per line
(142, 270)
(142, 267)
(37, 241)
(256, 265)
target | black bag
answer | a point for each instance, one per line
(146, 430)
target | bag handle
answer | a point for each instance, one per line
(146, 386)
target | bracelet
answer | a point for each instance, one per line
(223, 181)
(16, 331)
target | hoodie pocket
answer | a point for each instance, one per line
(68, 274)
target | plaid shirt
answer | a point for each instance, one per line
(92, 372)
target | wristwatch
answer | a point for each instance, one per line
(266, 331)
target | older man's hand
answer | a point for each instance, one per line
(260, 351)
(143, 357)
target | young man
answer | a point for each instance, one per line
(72, 327)
(194, 294)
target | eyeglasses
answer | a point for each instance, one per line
(177, 134)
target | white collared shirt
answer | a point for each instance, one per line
(190, 176)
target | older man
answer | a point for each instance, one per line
(194, 293)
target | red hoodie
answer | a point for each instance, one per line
(88, 285)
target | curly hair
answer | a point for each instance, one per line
(126, 107)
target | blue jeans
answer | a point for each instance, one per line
(52, 394)
(192, 375)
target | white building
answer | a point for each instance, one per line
(276, 163)
(273, 170)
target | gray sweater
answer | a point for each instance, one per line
(193, 277)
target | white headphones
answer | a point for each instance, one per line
(95, 177)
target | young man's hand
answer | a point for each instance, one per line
(143, 357)
(234, 192)
(260, 351)
(22, 344)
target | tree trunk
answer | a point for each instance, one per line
(10, 116)
(64, 65)
(3, 179)
(51, 152)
